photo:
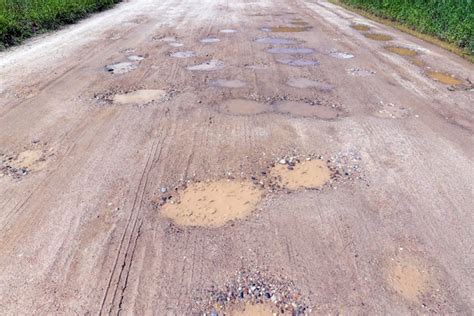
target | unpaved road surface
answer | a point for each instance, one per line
(120, 133)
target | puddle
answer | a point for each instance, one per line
(402, 51)
(341, 55)
(409, 280)
(210, 40)
(361, 72)
(176, 44)
(139, 96)
(312, 174)
(213, 204)
(304, 83)
(378, 37)
(360, 27)
(442, 77)
(298, 62)
(390, 110)
(184, 54)
(275, 41)
(417, 62)
(290, 50)
(228, 31)
(303, 109)
(251, 309)
(135, 58)
(211, 65)
(228, 83)
(121, 68)
(243, 107)
(289, 29)
(299, 23)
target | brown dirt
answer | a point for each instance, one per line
(313, 174)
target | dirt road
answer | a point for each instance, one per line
(181, 156)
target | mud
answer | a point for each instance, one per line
(443, 78)
(298, 62)
(210, 40)
(213, 204)
(312, 174)
(291, 50)
(304, 83)
(402, 51)
(302, 109)
(378, 37)
(341, 55)
(228, 83)
(275, 41)
(243, 107)
(211, 65)
(360, 27)
(183, 54)
(299, 23)
(121, 68)
(139, 97)
(289, 29)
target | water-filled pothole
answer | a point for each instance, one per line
(213, 64)
(341, 55)
(402, 51)
(312, 174)
(304, 83)
(139, 96)
(303, 109)
(289, 29)
(275, 41)
(243, 107)
(299, 23)
(228, 83)
(176, 44)
(183, 54)
(298, 62)
(443, 77)
(290, 50)
(121, 68)
(210, 40)
(360, 27)
(213, 204)
(378, 37)
(228, 31)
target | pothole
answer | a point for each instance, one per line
(213, 204)
(210, 40)
(20, 165)
(303, 109)
(299, 23)
(444, 78)
(139, 97)
(390, 110)
(275, 41)
(243, 107)
(211, 65)
(121, 68)
(298, 62)
(228, 31)
(290, 50)
(289, 29)
(360, 27)
(402, 51)
(309, 174)
(304, 83)
(183, 54)
(176, 44)
(228, 83)
(341, 55)
(135, 57)
(361, 72)
(378, 37)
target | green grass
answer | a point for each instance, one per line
(20, 19)
(449, 20)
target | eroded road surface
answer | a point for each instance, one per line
(235, 157)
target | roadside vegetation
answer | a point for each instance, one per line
(449, 20)
(20, 19)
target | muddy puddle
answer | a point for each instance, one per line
(390, 110)
(443, 78)
(22, 164)
(243, 107)
(275, 41)
(298, 62)
(360, 27)
(228, 31)
(299, 23)
(312, 174)
(213, 204)
(288, 29)
(341, 55)
(222, 83)
(378, 37)
(402, 51)
(209, 40)
(139, 97)
(304, 83)
(211, 65)
(409, 280)
(291, 50)
(302, 109)
(183, 54)
(121, 68)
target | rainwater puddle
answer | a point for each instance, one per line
(228, 31)
(304, 83)
(121, 68)
(442, 77)
(176, 44)
(243, 107)
(302, 109)
(378, 37)
(184, 54)
(390, 110)
(289, 29)
(213, 204)
(210, 40)
(139, 97)
(290, 50)
(360, 27)
(341, 55)
(227, 83)
(211, 65)
(275, 41)
(402, 51)
(409, 280)
(298, 62)
(135, 58)
(313, 174)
